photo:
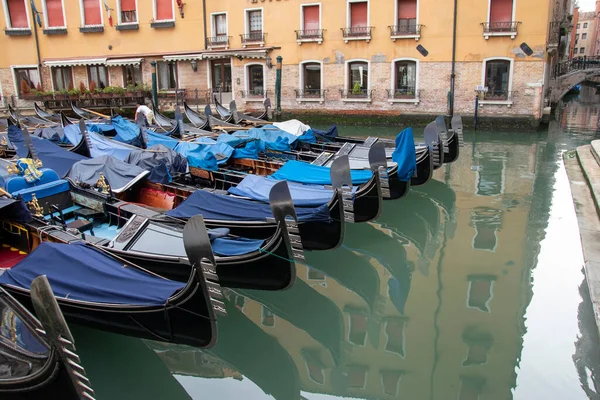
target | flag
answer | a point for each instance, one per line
(110, 21)
(36, 13)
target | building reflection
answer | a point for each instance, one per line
(583, 115)
(427, 302)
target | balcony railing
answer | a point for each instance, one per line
(356, 94)
(576, 64)
(357, 33)
(506, 28)
(501, 96)
(404, 94)
(258, 93)
(218, 41)
(253, 38)
(405, 29)
(310, 35)
(310, 95)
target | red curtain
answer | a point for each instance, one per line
(127, 5)
(358, 14)
(164, 10)
(501, 10)
(54, 8)
(311, 18)
(17, 13)
(407, 9)
(91, 12)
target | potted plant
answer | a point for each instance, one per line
(74, 94)
(107, 92)
(146, 89)
(26, 90)
(118, 91)
(62, 94)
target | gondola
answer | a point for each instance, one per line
(216, 124)
(169, 125)
(195, 118)
(263, 115)
(23, 120)
(86, 114)
(240, 118)
(95, 289)
(225, 114)
(37, 355)
(45, 115)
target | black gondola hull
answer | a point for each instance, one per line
(424, 169)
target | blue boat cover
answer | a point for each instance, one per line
(103, 128)
(158, 156)
(53, 133)
(15, 135)
(272, 138)
(301, 172)
(242, 147)
(102, 146)
(258, 188)
(119, 175)
(205, 156)
(228, 208)
(14, 210)
(72, 134)
(80, 272)
(127, 132)
(154, 138)
(404, 154)
(329, 134)
(233, 246)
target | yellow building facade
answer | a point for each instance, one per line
(355, 56)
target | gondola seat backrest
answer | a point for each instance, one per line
(49, 184)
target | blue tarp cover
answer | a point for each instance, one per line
(301, 172)
(53, 133)
(205, 156)
(228, 208)
(16, 139)
(328, 134)
(246, 148)
(404, 154)
(272, 138)
(80, 272)
(127, 132)
(102, 146)
(258, 188)
(154, 138)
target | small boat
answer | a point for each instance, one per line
(225, 114)
(195, 118)
(86, 114)
(37, 355)
(240, 118)
(169, 125)
(216, 124)
(24, 120)
(99, 290)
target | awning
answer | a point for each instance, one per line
(74, 63)
(124, 61)
(227, 54)
(184, 57)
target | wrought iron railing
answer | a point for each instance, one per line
(500, 27)
(406, 92)
(576, 64)
(498, 95)
(197, 97)
(405, 27)
(356, 93)
(310, 93)
(357, 31)
(254, 93)
(310, 34)
(253, 37)
(218, 41)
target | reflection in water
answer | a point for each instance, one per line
(428, 302)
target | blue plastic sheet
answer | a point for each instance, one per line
(258, 188)
(229, 246)
(242, 147)
(80, 272)
(205, 156)
(404, 154)
(328, 134)
(102, 146)
(272, 137)
(16, 139)
(228, 208)
(14, 210)
(154, 138)
(53, 133)
(73, 134)
(127, 132)
(301, 172)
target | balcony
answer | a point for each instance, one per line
(507, 28)
(406, 29)
(218, 42)
(497, 97)
(17, 31)
(357, 95)
(357, 33)
(258, 94)
(405, 94)
(310, 35)
(310, 95)
(253, 39)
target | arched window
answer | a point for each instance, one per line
(358, 79)
(405, 79)
(497, 79)
(255, 80)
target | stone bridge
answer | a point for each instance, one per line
(571, 73)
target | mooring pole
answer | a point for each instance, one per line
(278, 88)
(476, 117)
(154, 85)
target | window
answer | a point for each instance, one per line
(256, 80)
(219, 26)
(98, 74)
(311, 79)
(255, 22)
(128, 12)
(239, 301)
(407, 16)
(132, 75)
(578, 26)
(358, 78)
(268, 319)
(163, 10)
(26, 79)
(585, 25)
(390, 380)
(357, 331)
(479, 344)
(501, 12)
(490, 175)
(16, 14)
(359, 14)
(314, 366)
(357, 377)
(54, 15)
(583, 36)
(92, 14)
(487, 222)
(497, 75)
(311, 20)
(62, 78)
(166, 72)
(480, 292)
(582, 50)
(394, 332)
(405, 79)
(470, 388)
(576, 50)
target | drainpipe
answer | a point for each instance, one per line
(453, 75)
(204, 19)
(37, 44)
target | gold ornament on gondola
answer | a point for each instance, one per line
(34, 207)
(102, 184)
(4, 142)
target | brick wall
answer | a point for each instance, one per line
(115, 76)
(80, 75)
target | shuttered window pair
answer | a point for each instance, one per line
(17, 14)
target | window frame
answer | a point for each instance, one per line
(176, 75)
(488, 302)
(349, 14)
(52, 77)
(416, 100)
(514, 9)
(247, 80)
(262, 317)
(387, 339)
(585, 25)
(508, 101)
(124, 67)
(583, 36)
(89, 75)
(213, 29)
(302, 14)
(45, 10)
(247, 12)
(155, 9)
(137, 14)
(7, 16)
(301, 66)
(395, 20)
(347, 78)
(82, 15)
(17, 85)
(582, 50)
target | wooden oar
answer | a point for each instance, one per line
(96, 113)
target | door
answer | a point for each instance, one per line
(221, 80)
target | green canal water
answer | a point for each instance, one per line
(469, 288)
